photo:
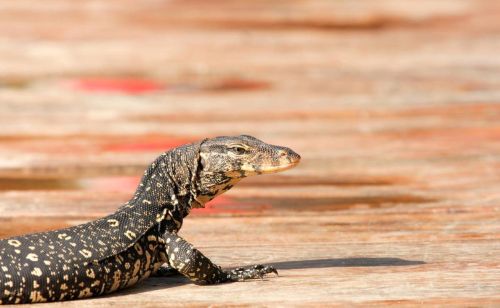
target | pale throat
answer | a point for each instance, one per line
(213, 191)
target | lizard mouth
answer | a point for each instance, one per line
(286, 159)
(274, 169)
(288, 162)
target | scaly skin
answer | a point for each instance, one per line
(121, 249)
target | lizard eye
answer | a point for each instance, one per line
(238, 149)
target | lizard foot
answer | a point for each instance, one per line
(252, 272)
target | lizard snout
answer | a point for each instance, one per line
(291, 156)
(287, 158)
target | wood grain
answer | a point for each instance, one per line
(394, 107)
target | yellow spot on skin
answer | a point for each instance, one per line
(63, 236)
(146, 201)
(90, 273)
(33, 257)
(137, 267)
(138, 248)
(85, 293)
(116, 281)
(37, 272)
(46, 262)
(130, 235)
(132, 281)
(148, 260)
(9, 284)
(85, 253)
(119, 259)
(5, 269)
(14, 243)
(36, 297)
(35, 285)
(113, 222)
(64, 287)
(95, 283)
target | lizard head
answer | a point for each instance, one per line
(224, 161)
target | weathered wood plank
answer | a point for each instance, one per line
(394, 107)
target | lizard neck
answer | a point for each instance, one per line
(168, 189)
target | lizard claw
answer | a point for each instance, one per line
(252, 272)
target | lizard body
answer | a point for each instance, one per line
(123, 248)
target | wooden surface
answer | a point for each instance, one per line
(393, 105)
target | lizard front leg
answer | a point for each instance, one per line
(190, 262)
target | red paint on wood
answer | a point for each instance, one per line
(229, 205)
(119, 85)
(239, 84)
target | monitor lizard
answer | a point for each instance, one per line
(141, 237)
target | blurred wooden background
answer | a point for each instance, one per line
(393, 105)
